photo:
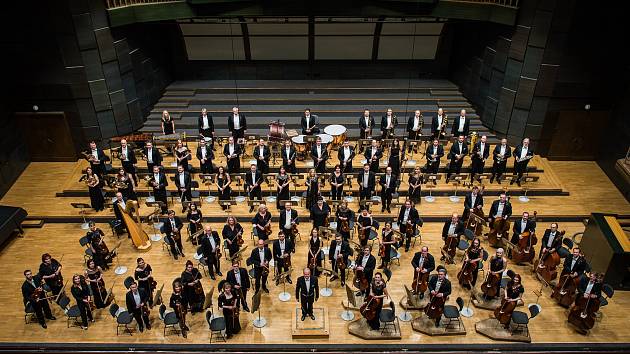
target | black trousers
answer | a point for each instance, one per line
(42, 310)
(520, 168)
(261, 279)
(130, 168)
(289, 168)
(348, 168)
(476, 167)
(243, 298)
(255, 193)
(374, 166)
(386, 197)
(238, 133)
(141, 318)
(336, 193)
(185, 196)
(263, 166)
(433, 168)
(455, 167)
(403, 231)
(363, 134)
(208, 134)
(175, 245)
(335, 268)
(321, 166)
(288, 233)
(98, 168)
(498, 169)
(205, 167)
(160, 196)
(281, 267)
(234, 165)
(306, 303)
(86, 313)
(214, 263)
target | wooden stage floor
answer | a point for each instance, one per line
(589, 191)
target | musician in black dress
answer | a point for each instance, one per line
(314, 256)
(498, 265)
(230, 234)
(137, 300)
(394, 156)
(194, 217)
(320, 213)
(282, 249)
(50, 271)
(288, 157)
(126, 185)
(159, 184)
(312, 188)
(288, 219)
(415, 185)
(336, 184)
(205, 123)
(480, 153)
(386, 242)
(408, 217)
(262, 155)
(378, 289)
(319, 154)
(168, 124)
(388, 182)
(239, 278)
(223, 185)
(172, 228)
(260, 258)
(367, 183)
(230, 303)
(423, 262)
(182, 155)
(367, 263)
(193, 290)
(434, 153)
(34, 297)
(95, 188)
(338, 254)
(179, 304)
(205, 155)
(473, 200)
(513, 293)
(500, 154)
(522, 155)
(474, 254)
(262, 223)
(94, 278)
(345, 154)
(307, 292)
(152, 155)
(81, 293)
(439, 286)
(282, 187)
(373, 154)
(144, 276)
(253, 182)
(366, 123)
(183, 182)
(365, 222)
(344, 216)
(210, 249)
(232, 152)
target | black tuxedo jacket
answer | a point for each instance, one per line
(255, 258)
(312, 121)
(131, 303)
(459, 229)
(410, 123)
(434, 124)
(186, 180)
(384, 122)
(206, 246)
(584, 280)
(477, 148)
(168, 228)
(131, 155)
(580, 265)
(392, 182)
(371, 179)
(101, 156)
(346, 251)
(209, 153)
(156, 156)
(324, 152)
(28, 289)
(242, 121)
(530, 226)
(163, 182)
(283, 218)
(266, 153)
(455, 127)
(497, 151)
(414, 216)
(557, 242)
(368, 153)
(292, 154)
(440, 151)
(231, 278)
(445, 287)
(429, 262)
(369, 266)
(226, 149)
(517, 152)
(340, 154)
(277, 252)
(300, 289)
(362, 122)
(210, 122)
(456, 151)
(468, 201)
(507, 209)
(250, 182)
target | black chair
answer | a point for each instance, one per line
(88, 254)
(123, 318)
(216, 326)
(469, 234)
(568, 242)
(250, 263)
(607, 293)
(72, 312)
(451, 313)
(463, 246)
(388, 317)
(521, 320)
(194, 191)
(170, 320)
(84, 241)
(201, 263)
(484, 258)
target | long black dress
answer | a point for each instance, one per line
(227, 192)
(318, 216)
(195, 300)
(312, 192)
(415, 194)
(375, 323)
(193, 215)
(283, 194)
(229, 233)
(232, 323)
(314, 246)
(97, 201)
(99, 292)
(128, 192)
(181, 153)
(168, 126)
(79, 293)
(473, 253)
(145, 284)
(336, 193)
(345, 214)
(394, 160)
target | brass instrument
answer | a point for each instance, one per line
(444, 125)
(345, 225)
(521, 159)
(150, 181)
(88, 156)
(121, 184)
(474, 137)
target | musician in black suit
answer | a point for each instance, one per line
(425, 259)
(345, 154)
(500, 208)
(210, 244)
(137, 301)
(159, 182)
(307, 292)
(288, 218)
(260, 258)
(309, 123)
(551, 240)
(367, 263)
(414, 126)
(282, 249)
(97, 159)
(206, 125)
(522, 153)
(388, 124)
(232, 152)
(434, 153)
(461, 124)
(480, 153)
(253, 181)
(408, 217)
(338, 254)
(521, 226)
(574, 264)
(205, 156)
(441, 287)
(239, 278)
(237, 124)
(288, 157)
(473, 200)
(120, 204)
(172, 229)
(262, 155)
(437, 121)
(366, 123)
(452, 228)
(373, 156)
(458, 151)
(388, 184)
(152, 155)
(34, 297)
(500, 154)
(183, 183)
(128, 158)
(367, 182)
(590, 286)
(319, 154)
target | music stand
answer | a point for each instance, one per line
(405, 316)
(227, 204)
(187, 203)
(120, 269)
(326, 291)
(348, 315)
(294, 178)
(467, 311)
(208, 180)
(458, 178)
(368, 202)
(284, 296)
(434, 177)
(82, 206)
(527, 179)
(259, 322)
(482, 177)
(208, 301)
(157, 299)
(413, 144)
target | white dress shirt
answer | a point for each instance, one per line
(150, 155)
(500, 209)
(124, 152)
(364, 261)
(287, 223)
(589, 287)
(406, 214)
(308, 119)
(552, 236)
(416, 124)
(261, 255)
(95, 154)
(136, 297)
(181, 180)
(205, 124)
(462, 121)
(237, 121)
(523, 151)
(451, 229)
(346, 153)
(366, 178)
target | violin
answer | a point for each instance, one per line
(239, 237)
(499, 230)
(198, 287)
(409, 232)
(341, 265)
(582, 314)
(503, 313)
(345, 225)
(490, 287)
(524, 252)
(370, 305)
(564, 292)
(268, 228)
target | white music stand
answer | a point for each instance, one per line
(457, 180)
(259, 322)
(527, 179)
(325, 291)
(348, 315)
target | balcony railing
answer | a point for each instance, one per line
(505, 3)
(113, 4)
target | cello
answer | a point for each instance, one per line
(450, 247)
(547, 264)
(420, 282)
(490, 287)
(465, 275)
(360, 281)
(524, 252)
(434, 309)
(499, 230)
(582, 314)
(503, 313)
(370, 305)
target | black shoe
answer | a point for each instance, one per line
(389, 211)
(266, 290)
(289, 280)
(229, 336)
(518, 183)
(303, 317)
(148, 327)
(277, 282)
(442, 258)
(498, 181)
(343, 283)
(312, 317)
(246, 309)
(383, 210)
(421, 295)
(44, 325)
(251, 209)
(406, 249)
(437, 323)
(175, 256)
(141, 329)
(358, 293)
(52, 317)
(212, 277)
(220, 274)
(512, 182)
(334, 277)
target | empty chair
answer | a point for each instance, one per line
(72, 312)
(250, 264)
(469, 234)
(170, 320)
(194, 191)
(462, 246)
(452, 313)
(201, 263)
(84, 241)
(394, 255)
(123, 318)
(521, 320)
(216, 326)
(388, 317)
(607, 293)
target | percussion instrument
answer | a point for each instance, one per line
(133, 137)
(326, 138)
(300, 146)
(276, 130)
(253, 162)
(292, 133)
(338, 132)
(168, 137)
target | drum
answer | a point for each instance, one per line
(207, 139)
(326, 138)
(253, 162)
(300, 144)
(338, 132)
(276, 130)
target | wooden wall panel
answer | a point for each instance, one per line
(525, 93)
(100, 95)
(519, 43)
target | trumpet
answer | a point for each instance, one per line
(150, 181)
(88, 156)
(444, 124)
(121, 184)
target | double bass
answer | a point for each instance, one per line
(368, 309)
(546, 266)
(582, 314)
(475, 221)
(420, 282)
(435, 307)
(524, 252)
(503, 313)
(490, 287)
(564, 292)
(450, 247)
(360, 280)
(499, 230)
(465, 275)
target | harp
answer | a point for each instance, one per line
(139, 237)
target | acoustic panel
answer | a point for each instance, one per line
(129, 85)
(122, 54)
(533, 131)
(398, 28)
(112, 76)
(533, 59)
(121, 114)
(98, 12)
(105, 44)
(538, 112)
(92, 64)
(77, 7)
(69, 49)
(83, 28)
(215, 48)
(518, 121)
(501, 55)
(540, 29)
(546, 79)
(496, 81)
(76, 79)
(279, 48)
(344, 29)
(512, 74)
(525, 93)
(92, 133)
(407, 47)
(488, 58)
(277, 29)
(136, 62)
(519, 43)
(98, 88)
(475, 69)
(86, 112)
(135, 114)
(106, 123)
(504, 110)
(489, 111)
(340, 47)
(211, 29)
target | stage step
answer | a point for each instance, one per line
(33, 223)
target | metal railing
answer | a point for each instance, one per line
(505, 3)
(113, 4)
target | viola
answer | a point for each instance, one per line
(369, 308)
(499, 231)
(409, 232)
(345, 225)
(490, 286)
(503, 313)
